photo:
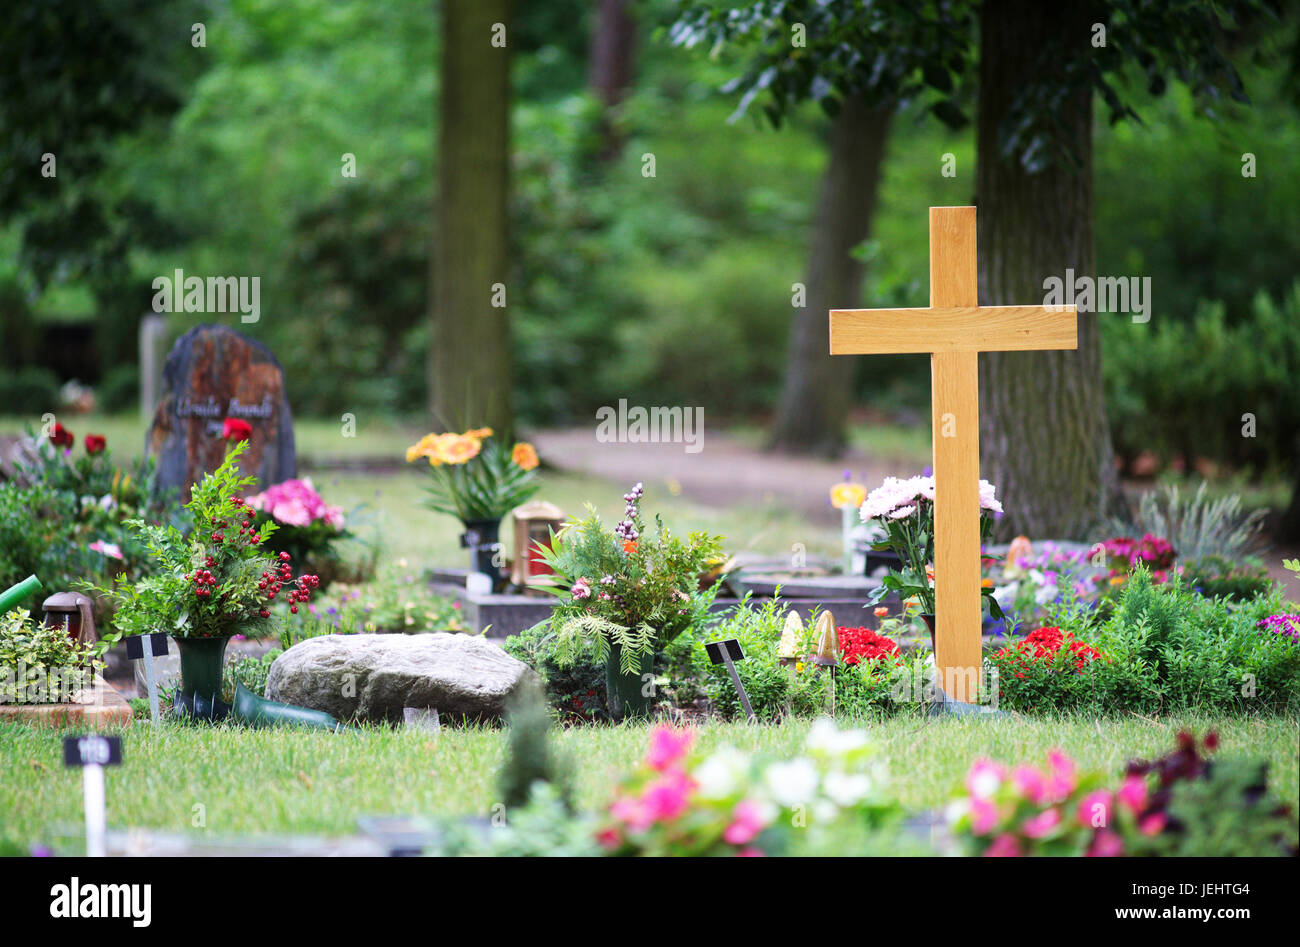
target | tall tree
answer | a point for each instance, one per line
(610, 64)
(469, 356)
(817, 392)
(813, 50)
(1043, 430)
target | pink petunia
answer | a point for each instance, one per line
(1041, 825)
(983, 816)
(1004, 846)
(667, 746)
(1029, 783)
(747, 822)
(1095, 803)
(1133, 793)
(1106, 844)
(1061, 779)
(668, 797)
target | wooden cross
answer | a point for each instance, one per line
(954, 330)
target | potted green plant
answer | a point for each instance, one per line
(209, 586)
(904, 509)
(627, 592)
(475, 478)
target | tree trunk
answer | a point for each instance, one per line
(469, 357)
(1043, 430)
(818, 390)
(613, 41)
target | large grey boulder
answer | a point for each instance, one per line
(373, 677)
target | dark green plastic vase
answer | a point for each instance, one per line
(202, 660)
(625, 691)
(260, 712)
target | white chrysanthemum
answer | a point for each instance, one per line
(987, 498)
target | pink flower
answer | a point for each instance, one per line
(1106, 844)
(1061, 780)
(747, 822)
(581, 589)
(112, 550)
(609, 838)
(1042, 824)
(1153, 824)
(667, 746)
(1029, 783)
(984, 778)
(750, 852)
(631, 812)
(1004, 846)
(1096, 803)
(668, 796)
(1133, 793)
(983, 816)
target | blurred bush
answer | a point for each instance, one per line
(1190, 389)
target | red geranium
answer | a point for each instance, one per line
(236, 430)
(863, 644)
(62, 437)
(95, 443)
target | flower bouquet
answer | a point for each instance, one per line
(208, 586)
(476, 479)
(628, 593)
(905, 510)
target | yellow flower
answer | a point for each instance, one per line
(479, 433)
(1117, 579)
(848, 494)
(458, 448)
(524, 455)
(798, 667)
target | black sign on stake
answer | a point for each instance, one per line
(92, 753)
(728, 652)
(146, 647)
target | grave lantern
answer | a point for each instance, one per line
(74, 613)
(534, 523)
(828, 641)
(787, 652)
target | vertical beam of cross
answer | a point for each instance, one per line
(954, 380)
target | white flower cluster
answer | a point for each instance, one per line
(837, 771)
(896, 499)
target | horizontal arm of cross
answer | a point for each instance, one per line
(957, 329)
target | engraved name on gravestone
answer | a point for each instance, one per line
(214, 373)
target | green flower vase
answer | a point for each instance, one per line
(628, 695)
(202, 661)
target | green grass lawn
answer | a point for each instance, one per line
(310, 782)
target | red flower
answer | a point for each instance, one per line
(1044, 643)
(863, 644)
(95, 443)
(62, 437)
(236, 430)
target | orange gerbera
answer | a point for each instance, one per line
(524, 455)
(457, 448)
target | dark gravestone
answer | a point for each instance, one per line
(214, 373)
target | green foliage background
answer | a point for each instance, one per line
(617, 278)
